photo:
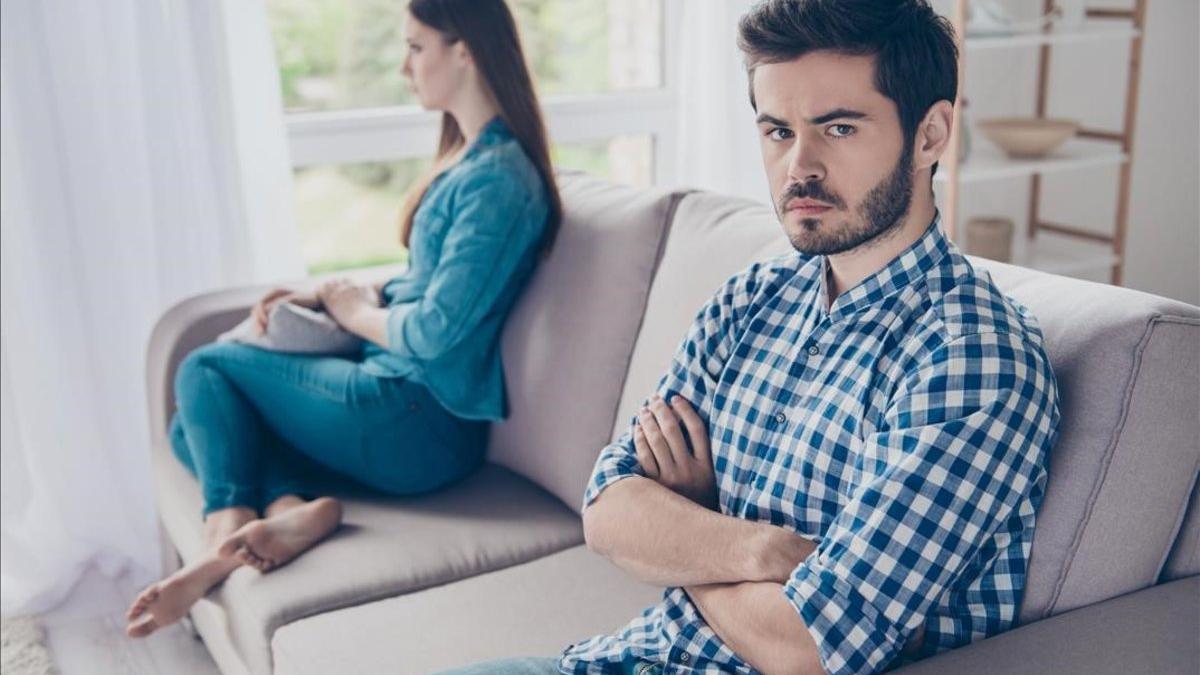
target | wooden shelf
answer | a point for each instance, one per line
(1092, 31)
(987, 162)
(1057, 247)
(1058, 254)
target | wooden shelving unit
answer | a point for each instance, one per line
(1054, 247)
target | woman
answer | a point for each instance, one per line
(265, 432)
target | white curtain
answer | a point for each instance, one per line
(144, 160)
(718, 148)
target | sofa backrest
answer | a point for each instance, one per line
(567, 343)
(1126, 461)
(1126, 364)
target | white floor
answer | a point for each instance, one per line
(87, 636)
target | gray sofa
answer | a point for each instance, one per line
(496, 566)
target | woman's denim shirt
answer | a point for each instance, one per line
(475, 242)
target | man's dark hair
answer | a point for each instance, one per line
(916, 59)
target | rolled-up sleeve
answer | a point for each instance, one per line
(693, 373)
(493, 223)
(960, 459)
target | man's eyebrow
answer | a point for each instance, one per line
(764, 118)
(838, 114)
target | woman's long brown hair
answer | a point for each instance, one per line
(490, 33)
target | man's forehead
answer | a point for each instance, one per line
(816, 83)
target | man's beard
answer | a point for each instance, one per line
(881, 211)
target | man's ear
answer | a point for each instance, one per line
(933, 135)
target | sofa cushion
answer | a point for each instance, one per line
(387, 546)
(535, 609)
(1126, 362)
(566, 345)
(1150, 631)
(712, 238)
(1122, 471)
(1184, 560)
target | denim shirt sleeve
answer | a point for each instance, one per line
(486, 241)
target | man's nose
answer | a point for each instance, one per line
(805, 164)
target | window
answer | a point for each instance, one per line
(358, 141)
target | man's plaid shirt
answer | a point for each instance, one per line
(905, 430)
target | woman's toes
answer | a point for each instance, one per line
(232, 544)
(242, 555)
(142, 627)
(142, 602)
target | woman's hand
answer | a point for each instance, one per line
(663, 451)
(342, 298)
(262, 309)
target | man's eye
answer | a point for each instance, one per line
(841, 130)
(779, 134)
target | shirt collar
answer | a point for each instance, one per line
(912, 264)
(495, 131)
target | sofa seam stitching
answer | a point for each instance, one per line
(1110, 452)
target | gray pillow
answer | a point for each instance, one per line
(295, 329)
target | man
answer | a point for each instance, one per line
(840, 472)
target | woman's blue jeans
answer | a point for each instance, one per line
(254, 425)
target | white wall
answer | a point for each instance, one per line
(1087, 82)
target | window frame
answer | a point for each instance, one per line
(385, 134)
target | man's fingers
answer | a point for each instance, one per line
(644, 455)
(658, 444)
(671, 429)
(696, 428)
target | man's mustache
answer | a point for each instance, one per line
(815, 191)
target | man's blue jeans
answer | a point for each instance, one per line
(254, 425)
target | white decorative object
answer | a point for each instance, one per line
(1026, 137)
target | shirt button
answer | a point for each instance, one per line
(684, 658)
(780, 418)
(814, 350)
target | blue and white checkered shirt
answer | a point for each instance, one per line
(905, 430)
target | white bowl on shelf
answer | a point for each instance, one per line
(1028, 137)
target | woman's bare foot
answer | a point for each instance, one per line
(165, 602)
(218, 525)
(269, 543)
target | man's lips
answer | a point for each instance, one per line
(807, 206)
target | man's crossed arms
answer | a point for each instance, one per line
(732, 569)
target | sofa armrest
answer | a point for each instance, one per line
(198, 320)
(1149, 631)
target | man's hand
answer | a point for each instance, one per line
(663, 451)
(342, 298)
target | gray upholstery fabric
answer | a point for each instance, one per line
(1149, 631)
(386, 547)
(535, 609)
(1184, 559)
(297, 330)
(712, 238)
(1129, 443)
(567, 344)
